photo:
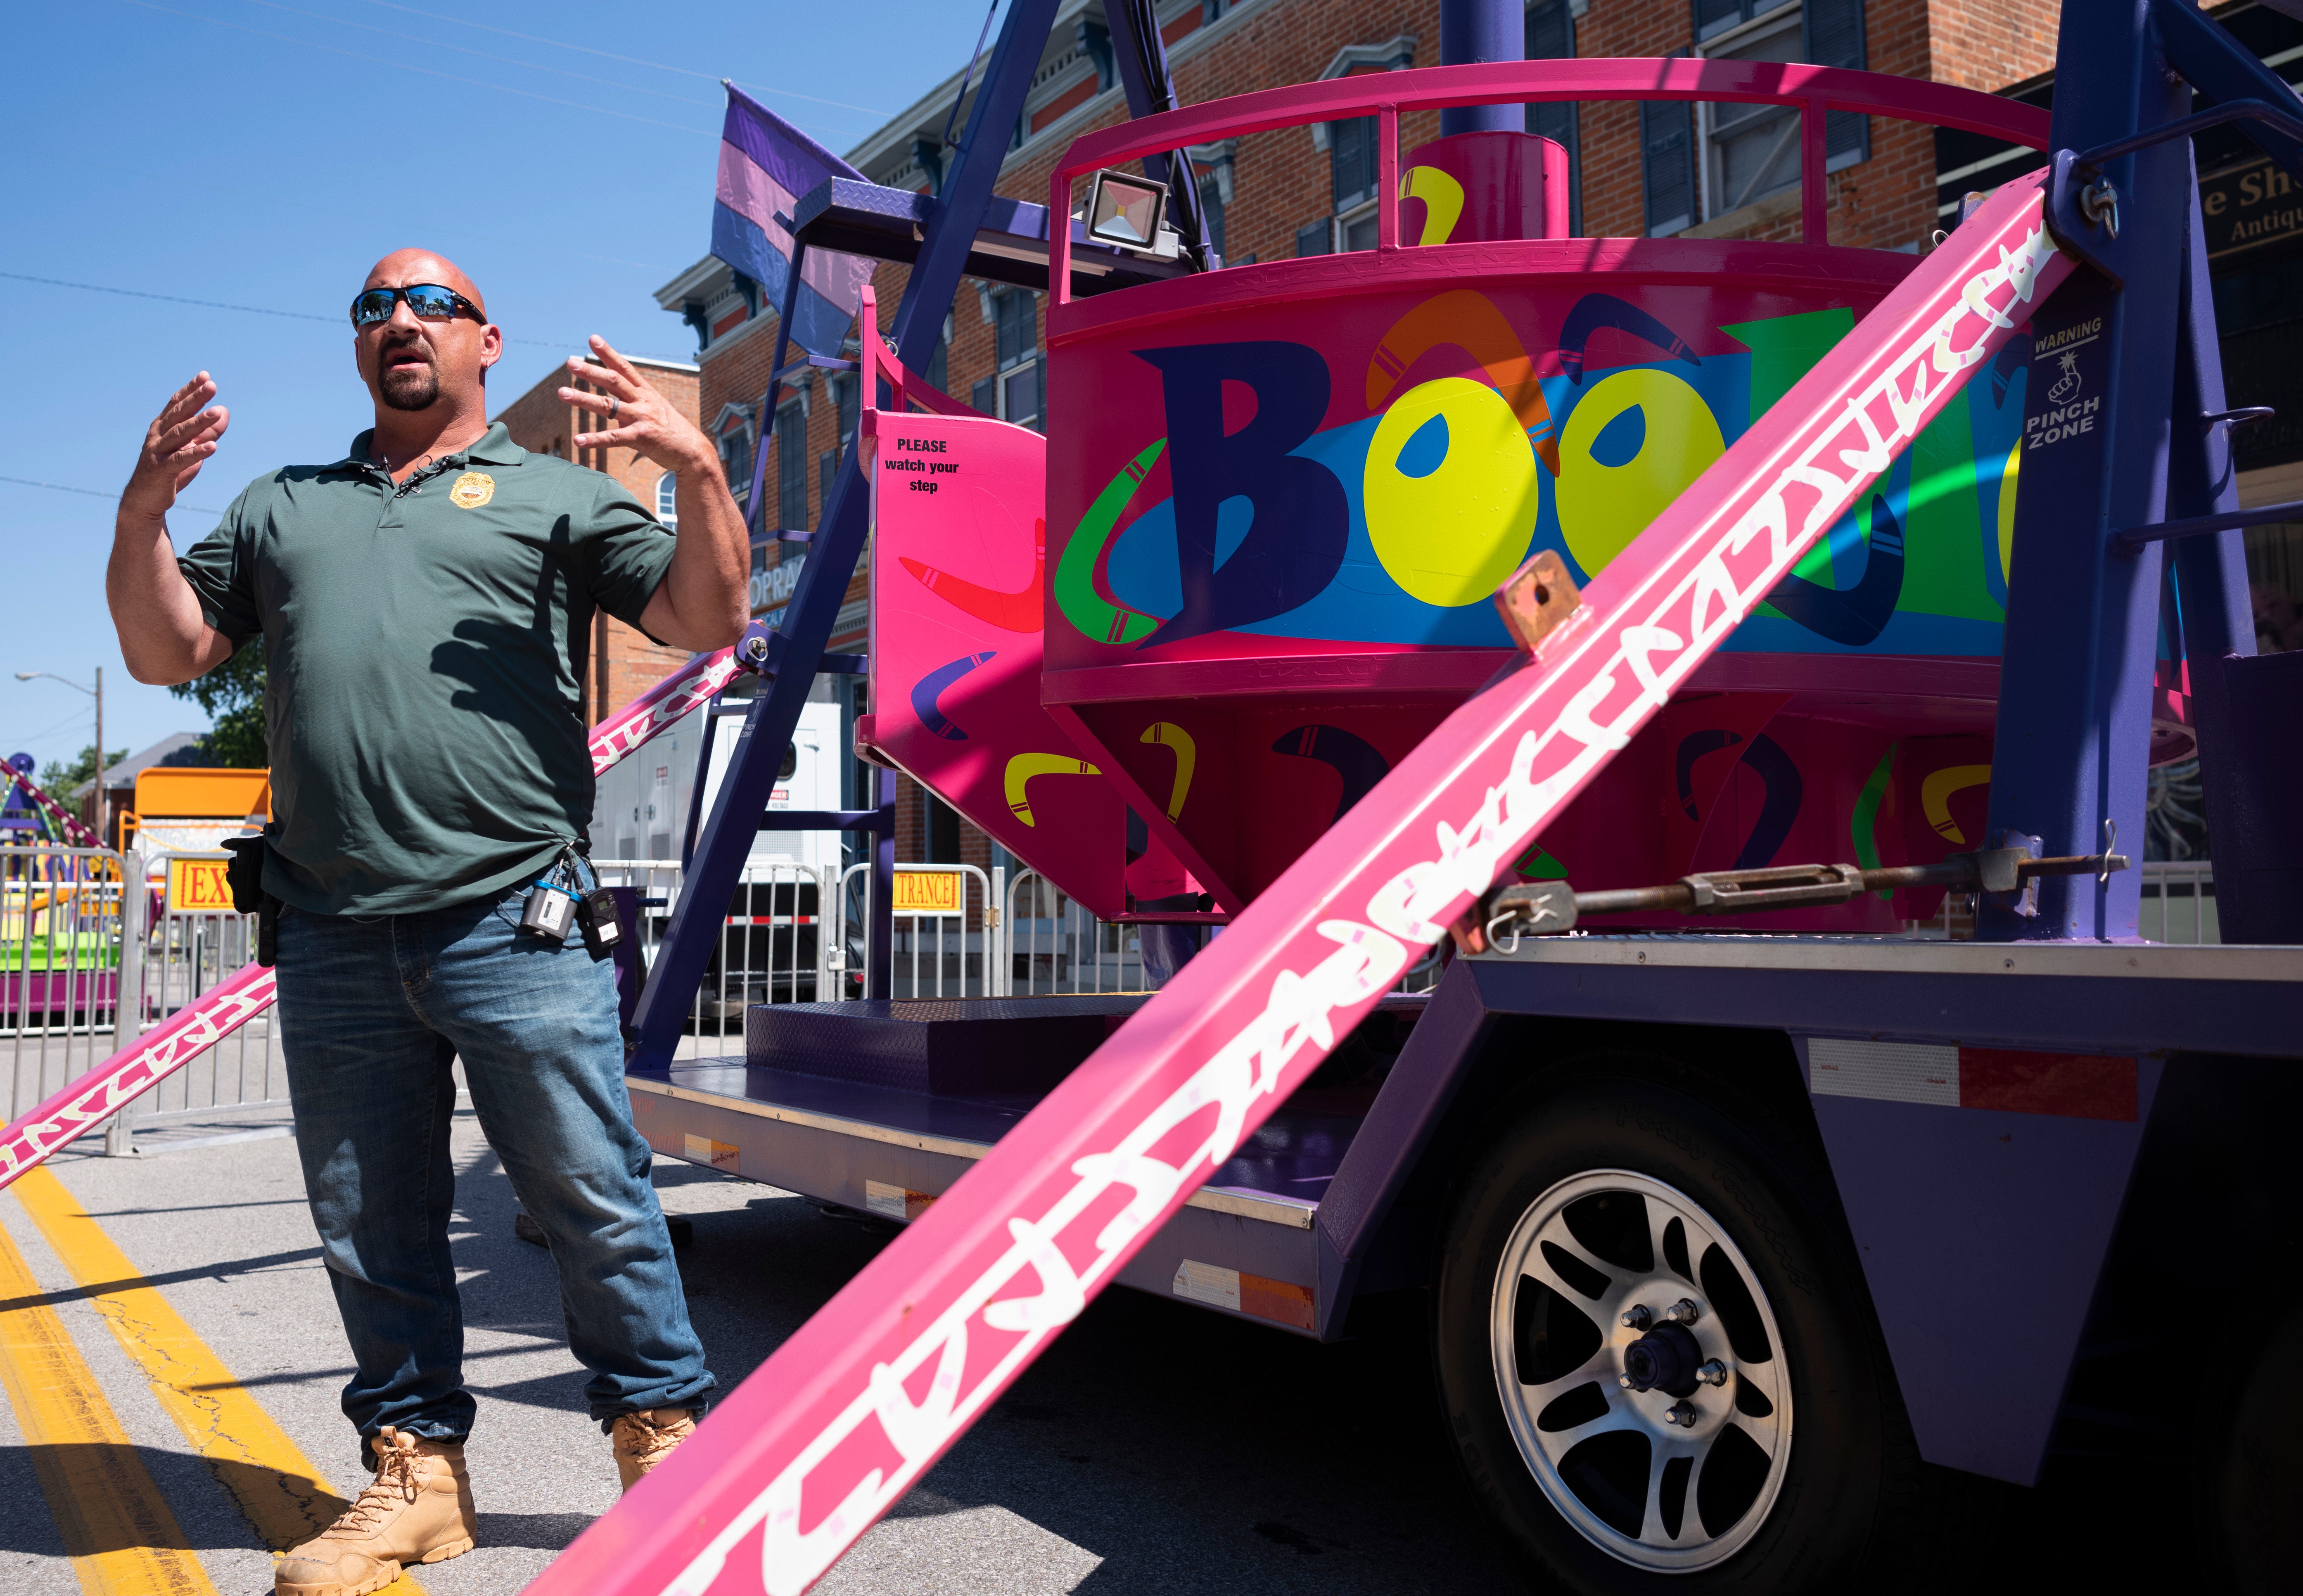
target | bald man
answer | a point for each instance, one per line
(423, 604)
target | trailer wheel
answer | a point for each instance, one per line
(1656, 1367)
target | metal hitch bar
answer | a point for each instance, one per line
(1549, 907)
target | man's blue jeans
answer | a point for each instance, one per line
(373, 1010)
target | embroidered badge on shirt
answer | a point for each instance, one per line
(472, 490)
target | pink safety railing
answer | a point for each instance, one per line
(1815, 90)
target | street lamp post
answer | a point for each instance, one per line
(102, 826)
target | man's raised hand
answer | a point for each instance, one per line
(176, 446)
(637, 416)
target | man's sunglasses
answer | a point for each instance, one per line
(428, 300)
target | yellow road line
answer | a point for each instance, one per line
(116, 1527)
(284, 1497)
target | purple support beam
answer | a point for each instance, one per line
(1483, 30)
(2074, 725)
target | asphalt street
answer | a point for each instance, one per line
(1155, 1448)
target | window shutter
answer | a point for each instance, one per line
(791, 468)
(1831, 34)
(1551, 37)
(1667, 165)
(1351, 156)
(1316, 238)
(985, 396)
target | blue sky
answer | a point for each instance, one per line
(257, 153)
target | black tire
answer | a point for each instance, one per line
(1848, 1469)
(2248, 1476)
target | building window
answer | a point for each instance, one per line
(791, 468)
(1019, 396)
(1017, 389)
(1751, 153)
(942, 828)
(1716, 17)
(1211, 211)
(1352, 161)
(735, 444)
(1551, 37)
(667, 500)
(844, 407)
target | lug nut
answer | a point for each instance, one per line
(1637, 1317)
(1682, 1414)
(1686, 1311)
(1712, 1371)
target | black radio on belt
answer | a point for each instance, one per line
(603, 928)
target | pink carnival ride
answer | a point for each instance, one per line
(1252, 564)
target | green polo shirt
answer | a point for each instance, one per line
(426, 645)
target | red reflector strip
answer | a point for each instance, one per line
(1283, 1302)
(772, 919)
(2074, 1086)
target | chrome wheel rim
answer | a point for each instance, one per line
(1665, 1482)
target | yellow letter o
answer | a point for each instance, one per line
(1602, 508)
(1451, 536)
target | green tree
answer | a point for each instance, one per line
(232, 694)
(59, 778)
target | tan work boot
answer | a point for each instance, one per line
(646, 1438)
(419, 1509)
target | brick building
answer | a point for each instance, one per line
(624, 664)
(1699, 171)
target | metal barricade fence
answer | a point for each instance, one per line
(196, 940)
(777, 943)
(948, 934)
(2179, 902)
(67, 935)
(1054, 945)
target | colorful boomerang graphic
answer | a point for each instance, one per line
(823, 1437)
(223, 1009)
(1022, 611)
(928, 688)
(1354, 758)
(1934, 795)
(1594, 311)
(1078, 596)
(1470, 322)
(1168, 734)
(1022, 767)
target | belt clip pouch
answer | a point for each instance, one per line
(245, 873)
(595, 912)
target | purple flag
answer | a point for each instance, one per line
(765, 166)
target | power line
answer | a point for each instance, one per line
(631, 60)
(96, 492)
(376, 60)
(138, 293)
(272, 198)
(319, 16)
